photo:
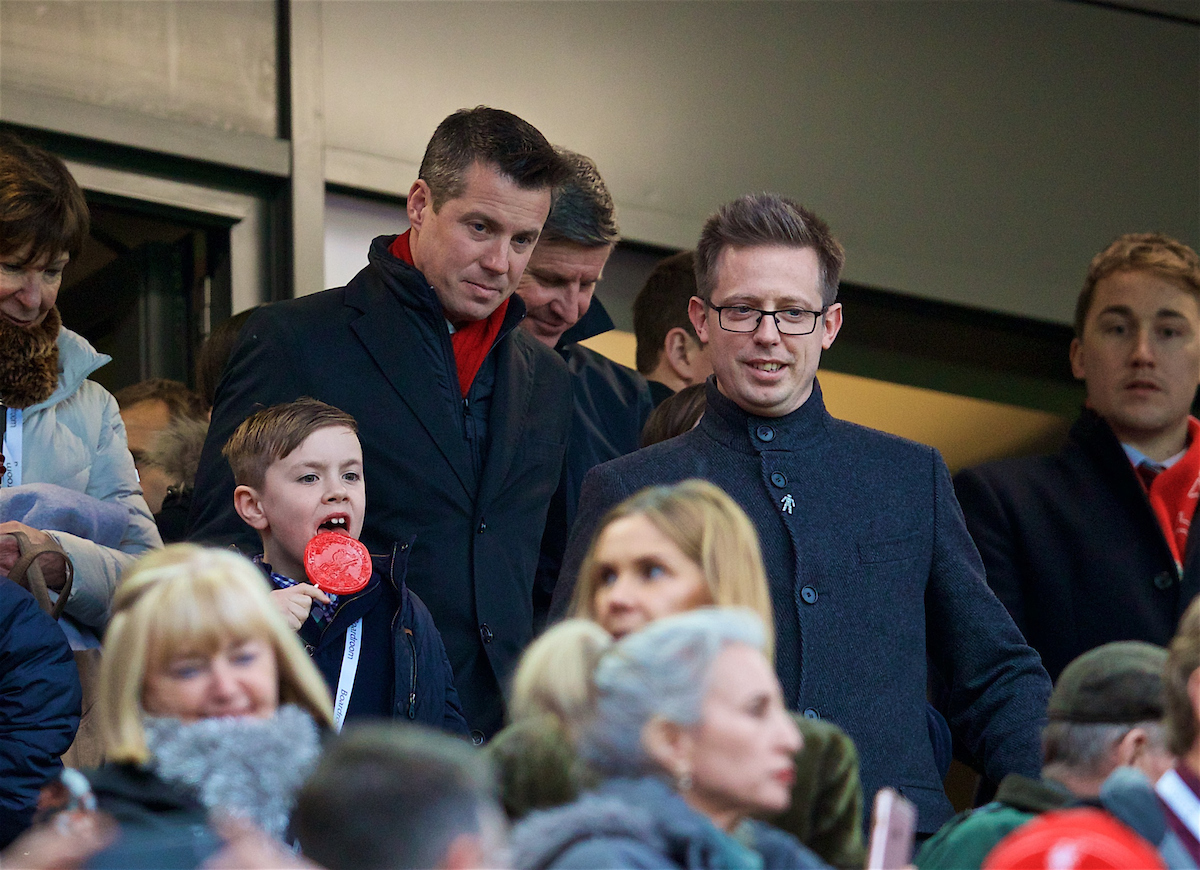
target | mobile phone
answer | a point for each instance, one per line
(893, 826)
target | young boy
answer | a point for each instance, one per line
(299, 472)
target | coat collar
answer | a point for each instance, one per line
(728, 424)
(130, 782)
(409, 285)
(403, 328)
(76, 360)
(1092, 435)
(645, 811)
(596, 321)
(1097, 439)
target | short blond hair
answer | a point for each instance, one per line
(555, 672)
(187, 598)
(710, 529)
(1139, 252)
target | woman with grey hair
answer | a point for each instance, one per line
(687, 722)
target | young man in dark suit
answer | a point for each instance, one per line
(1091, 545)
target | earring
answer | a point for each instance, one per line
(683, 780)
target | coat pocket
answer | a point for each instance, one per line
(889, 549)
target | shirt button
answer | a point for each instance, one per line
(765, 433)
(482, 528)
(808, 595)
(778, 479)
(811, 713)
(485, 633)
(1164, 580)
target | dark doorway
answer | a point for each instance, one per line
(146, 289)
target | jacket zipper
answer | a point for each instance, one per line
(412, 685)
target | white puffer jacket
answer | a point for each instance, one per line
(76, 439)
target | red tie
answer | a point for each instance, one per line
(1146, 472)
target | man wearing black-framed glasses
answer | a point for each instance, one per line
(873, 575)
(788, 321)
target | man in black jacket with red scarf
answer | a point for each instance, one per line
(462, 416)
(1091, 545)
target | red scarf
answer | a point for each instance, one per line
(1174, 493)
(472, 341)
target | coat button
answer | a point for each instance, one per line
(1164, 580)
(765, 433)
(477, 737)
(808, 595)
(778, 479)
(482, 528)
(485, 633)
(811, 713)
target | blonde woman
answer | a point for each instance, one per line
(207, 702)
(665, 550)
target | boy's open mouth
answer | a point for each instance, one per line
(336, 524)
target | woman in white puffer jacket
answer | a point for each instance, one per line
(68, 477)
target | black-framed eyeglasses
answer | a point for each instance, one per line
(788, 321)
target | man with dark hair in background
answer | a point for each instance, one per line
(873, 575)
(669, 353)
(1092, 544)
(462, 416)
(611, 402)
(404, 798)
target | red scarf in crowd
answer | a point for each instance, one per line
(471, 341)
(1174, 492)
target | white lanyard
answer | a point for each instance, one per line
(341, 700)
(12, 447)
(1182, 800)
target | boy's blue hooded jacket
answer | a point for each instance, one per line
(403, 672)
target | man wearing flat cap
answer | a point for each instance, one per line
(1103, 716)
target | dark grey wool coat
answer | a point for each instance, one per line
(1073, 549)
(873, 576)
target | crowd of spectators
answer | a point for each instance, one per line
(501, 601)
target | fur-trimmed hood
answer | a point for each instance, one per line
(627, 821)
(544, 836)
(76, 360)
